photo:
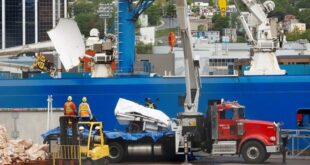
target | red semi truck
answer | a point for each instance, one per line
(223, 131)
(228, 131)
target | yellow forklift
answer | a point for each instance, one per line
(80, 143)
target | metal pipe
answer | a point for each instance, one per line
(48, 113)
(65, 9)
(24, 21)
(36, 38)
(3, 24)
(36, 47)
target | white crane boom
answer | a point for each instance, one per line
(189, 119)
(191, 66)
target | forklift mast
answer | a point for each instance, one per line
(67, 122)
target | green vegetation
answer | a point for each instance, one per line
(189, 2)
(201, 28)
(142, 48)
(195, 9)
(219, 22)
(171, 10)
(304, 16)
(241, 39)
(154, 14)
(296, 35)
(203, 17)
(211, 2)
(302, 3)
(164, 32)
(86, 16)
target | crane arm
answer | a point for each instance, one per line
(191, 66)
(264, 38)
(245, 25)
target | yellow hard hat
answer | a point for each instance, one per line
(84, 99)
(69, 98)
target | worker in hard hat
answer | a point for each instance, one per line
(97, 130)
(149, 103)
(69, 107)
(83, 139)
(84, 110)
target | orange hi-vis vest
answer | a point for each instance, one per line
(69, 108)
(84, 110)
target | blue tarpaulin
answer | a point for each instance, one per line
(114, 135)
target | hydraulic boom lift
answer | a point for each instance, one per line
(190, 118)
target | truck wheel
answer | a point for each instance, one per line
(116, 152)
(134, 127)
(253, 152)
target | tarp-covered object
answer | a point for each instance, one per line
(125, 107)
(68, 42)
(116, 134)
(136, 136)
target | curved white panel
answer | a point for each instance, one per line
(68, 42)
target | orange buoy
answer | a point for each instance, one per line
(171, 40)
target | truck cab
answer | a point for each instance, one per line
(229, 132)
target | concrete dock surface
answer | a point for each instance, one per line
(218, 160)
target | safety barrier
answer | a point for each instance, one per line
(66, 152)
(298, 142)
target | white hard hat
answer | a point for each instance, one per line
(97, 127)
(81, 128)
(69, 98)
(94, 32)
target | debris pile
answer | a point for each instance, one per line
(19, 150)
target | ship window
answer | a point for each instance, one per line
(303, 118)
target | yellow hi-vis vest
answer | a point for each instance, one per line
(84, 110)
(150, 105)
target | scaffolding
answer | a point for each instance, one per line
(298, 142)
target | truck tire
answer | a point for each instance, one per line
(253, 152)
(134, 127)
(116, 152)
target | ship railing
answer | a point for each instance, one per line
(298, 142)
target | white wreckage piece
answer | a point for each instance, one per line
(150, 120)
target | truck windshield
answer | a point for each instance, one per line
(235, 113)
(240, 112)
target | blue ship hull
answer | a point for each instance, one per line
(272, 98)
